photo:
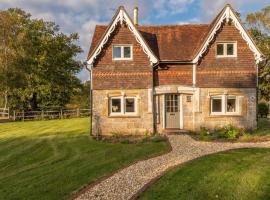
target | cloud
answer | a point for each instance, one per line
(82, 15)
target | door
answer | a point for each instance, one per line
(172, 113)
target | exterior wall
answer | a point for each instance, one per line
(116, 74)
(246, 119)
(104, 124)
(174, 74)
(238, 72)
(197, 114)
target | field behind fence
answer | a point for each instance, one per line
(44, 114)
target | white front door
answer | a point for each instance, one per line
(172, 111)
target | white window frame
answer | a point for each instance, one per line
(122, 51)
(225, 55)
(224, 99)
(123, 106)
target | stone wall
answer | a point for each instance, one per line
(247, 101)
(105, 125)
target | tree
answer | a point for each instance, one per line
(259, 24)
(45, 60)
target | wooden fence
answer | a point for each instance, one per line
(4, 113)
(48, 114)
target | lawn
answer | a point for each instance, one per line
(52, 159)
(235, 175)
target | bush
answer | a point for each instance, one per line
(263, 109)
(229, 132)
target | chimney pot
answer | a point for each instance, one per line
(135, 15)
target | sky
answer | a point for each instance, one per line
(81, 16)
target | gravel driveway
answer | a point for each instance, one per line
(129, 181)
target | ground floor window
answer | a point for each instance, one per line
(123, 105)
(224, 104)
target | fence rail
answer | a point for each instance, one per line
(49, 114)
(4, 113)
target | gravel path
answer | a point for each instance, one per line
(127, 182)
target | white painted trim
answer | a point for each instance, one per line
(164, 112)
(225, 55)
(227, 15)
(224, 98)
(121, 17)
(122, 46)
(194, 74)
(150, 101)
(123, 112)
(181, 112)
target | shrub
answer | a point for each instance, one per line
(229, 132)
(204, 131)
(263, 109)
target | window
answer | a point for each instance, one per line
(123, 106)
(216, 104)
(226, 49)
(224, 105)
(122, 52)
(116, 105)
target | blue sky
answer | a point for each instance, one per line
(82, 15)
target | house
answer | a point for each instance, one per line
(172, 77)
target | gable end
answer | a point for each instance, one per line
(228, 14)
(121, 17)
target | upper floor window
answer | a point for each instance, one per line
(122, 52)
(226, 49)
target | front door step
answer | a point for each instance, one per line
(174, 131)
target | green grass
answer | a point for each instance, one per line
(261, 134)
(235, 175)
(52, 159)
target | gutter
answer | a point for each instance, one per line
(91, 94)
(153, 98)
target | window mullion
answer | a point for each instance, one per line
(224, 102)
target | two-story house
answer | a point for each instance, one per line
(172, 77)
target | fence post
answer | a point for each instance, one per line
(78, 112)
(14, 115)
(42, 115)
(23, 115)
(61, 114)
(8, 113)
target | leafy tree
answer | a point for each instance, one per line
(43, 57)
(259, 23)
(81, 99)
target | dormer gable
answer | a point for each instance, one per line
(121, 17)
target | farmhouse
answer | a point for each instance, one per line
(172, 77)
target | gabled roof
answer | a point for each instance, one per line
(121, 16)
(185, 43)
(228, 13)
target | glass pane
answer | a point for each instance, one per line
(130, 105)
(116, 52)
(230, 49)
(127, 52)
(220, 49)
(116, 105)
(216, 105)
(231, 105)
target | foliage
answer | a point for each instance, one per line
(39, 62)
(159, 138)
(259, 24)
(80, 97)
(52, 159)
(263, 109)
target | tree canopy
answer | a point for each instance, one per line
(259, 23)
(38, 62)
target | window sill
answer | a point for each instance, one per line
(122, 59)
(225, 115)
(124, 116)
(226, 57)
